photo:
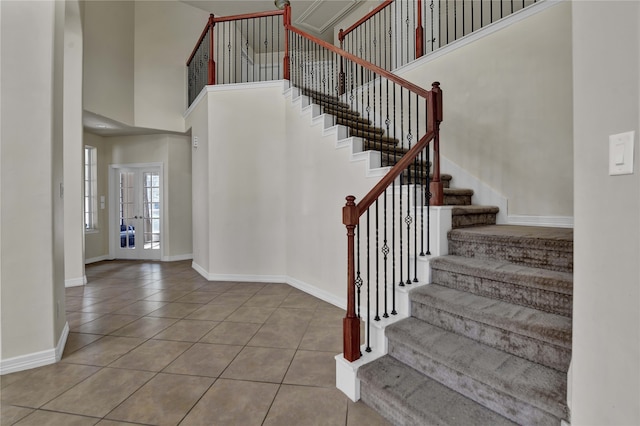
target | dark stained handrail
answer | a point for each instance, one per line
(344, 33)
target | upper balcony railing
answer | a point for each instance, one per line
(239, 49)
(400, 31)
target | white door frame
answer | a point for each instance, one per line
(113, 203)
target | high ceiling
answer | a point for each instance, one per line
(317, 17)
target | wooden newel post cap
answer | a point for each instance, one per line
(350, 212)
(435, 85)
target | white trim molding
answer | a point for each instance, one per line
(552, 221)
(36, 359)
(97, 259)
(76, 282)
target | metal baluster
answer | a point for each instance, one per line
(402, 181)
(377, 317)
(368, 349)
(408, 220)
(393, 215)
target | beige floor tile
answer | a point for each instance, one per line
(10, 414)
(301, 301)
(100, 393)
(76, 341)
(75, 319)
(231, 333)
(152, 355)
(77, 303)
(312, 368)
(45, 383)
(176, 310)
(105, 422)
(140, 307)
(266, 300)
(233, 403)
(250, 314)
(48, 418)
(319, 338)
(231, 299)
(106, 324)
(275, 289)
(217, 286)
(166, 295)
(107, 307)
(275, 335)
(186, 330)
(260, 364)
(212, 312)
(202, 297)
(144, 327)
(292, 316)
(245, 288)
(164, 400)
(204, 359)
(301, 405)
(138, 293)
(9, 379)
(360, 414)
(330, 316)
(104, 351)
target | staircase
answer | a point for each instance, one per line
(464, 213)
(489, 341)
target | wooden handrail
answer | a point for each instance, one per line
(365, 18)
(250, 15)
(366, 64)
(210, 24)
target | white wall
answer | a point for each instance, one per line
(73, 147)
(270, 194)
(31, 220)
(109, 59)
(165, 34)
(606, 316)
(508, 111)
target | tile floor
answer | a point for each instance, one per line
(156, 344)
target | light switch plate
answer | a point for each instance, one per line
(621, 153)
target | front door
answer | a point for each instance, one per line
(138, 218)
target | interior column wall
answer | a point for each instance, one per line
(32, 315)
(605, 378)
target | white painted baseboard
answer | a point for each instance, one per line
(177, 258)
(553, 221)
(36, 359)
(97, 259)
(317, 292)
(76, 282)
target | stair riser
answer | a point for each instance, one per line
(554, 260)
(457, 200)
(506, 405)
(548, 301)
(462, 221)
(535, 350)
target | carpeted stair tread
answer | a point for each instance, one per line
(406, 397)
(346, 115)
(561, 282)
(540, 247)
(376, 138)
(521, 390)
(357, 125)
(533, 323)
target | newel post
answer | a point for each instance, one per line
(419, 32)
(286, 18)
(211, 78)
(436, 187)
(341, 85)
(351, 323)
